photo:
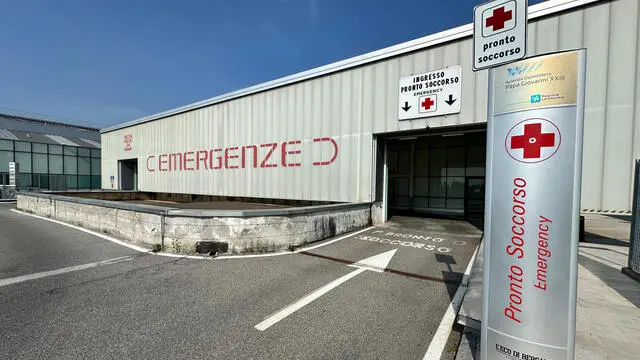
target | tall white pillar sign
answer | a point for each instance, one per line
(534, 167)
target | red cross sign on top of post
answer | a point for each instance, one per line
(499, 33)
(498, 18)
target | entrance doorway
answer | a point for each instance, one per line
(128, 174)
(439, 174)
(474, 199)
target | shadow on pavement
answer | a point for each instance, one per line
(603, 240)
(620, 217)
(584, 246)
(455, 278)
(615, 279)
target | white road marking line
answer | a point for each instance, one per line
(374, 263)
(109, 238)
(40, 275)
(439, 341)
(203, 257)
(290, 309)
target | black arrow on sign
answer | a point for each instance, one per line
(406, 106)
(451, 100)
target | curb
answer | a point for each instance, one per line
(631, 273)
(594, 211)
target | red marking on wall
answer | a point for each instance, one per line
(335, 151)
(128, 140)
(287, 154)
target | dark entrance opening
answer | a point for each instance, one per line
(437, 174)
(128, 171)
(474, 200)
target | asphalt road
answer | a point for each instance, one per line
(143, 306)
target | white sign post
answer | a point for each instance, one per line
(533, 178)
(499, 33)
(433, 93)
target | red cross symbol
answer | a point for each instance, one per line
(427, 103)
(498, 18)
(532, 141)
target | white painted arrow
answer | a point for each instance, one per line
(374, 263)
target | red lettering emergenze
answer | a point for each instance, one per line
(202, 156)
(228, 157)
(255, 156)
(271, 147)
(290, 152)
(188, 158)
(243, 157)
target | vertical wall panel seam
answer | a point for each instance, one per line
(558, 30)
(361, 132)
(606, 107)
(634, 104)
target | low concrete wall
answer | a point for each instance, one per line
(265, 230)
(138, 226)
(177, 230)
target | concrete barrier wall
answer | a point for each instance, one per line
(133, 226)
(264, 233)
(177, 230)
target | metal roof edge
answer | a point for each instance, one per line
(42, 120)
(535, 11)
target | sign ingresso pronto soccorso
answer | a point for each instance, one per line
(432, 93)
(534, 166)
(499, 33)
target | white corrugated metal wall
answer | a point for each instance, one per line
(353, 104)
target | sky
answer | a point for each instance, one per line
(104, 62)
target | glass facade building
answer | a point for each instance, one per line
(51, 156)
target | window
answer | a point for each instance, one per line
(84, 152)
(95, 153)
(23, 146)
(24, 159)
(55, 149)
(455, 161)
(95, 166)
(437, 186)
(5, 158)
(84, 166)
(70, 150)
(6, 145)
(95, 182)
(39, 148)
(70, 165)
(84, 182)
(439, 162)
(72, 181)
(455, 187)
(40, 163)
(422, 162)
(475, 160)
(40, 181)
(55, 164)
(25, 180)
